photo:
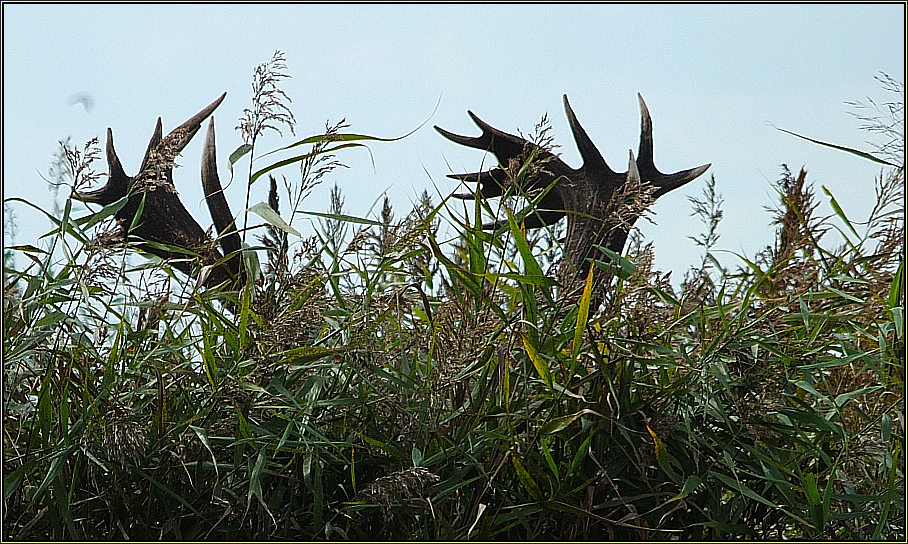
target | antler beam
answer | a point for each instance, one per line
(601, 205)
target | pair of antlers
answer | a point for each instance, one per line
(164, 222)
(600, 204)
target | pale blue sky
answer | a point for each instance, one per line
(714, 78)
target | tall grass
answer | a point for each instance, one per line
(379, 382)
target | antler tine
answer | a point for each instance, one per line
(217, 204)
(501, 144)
(592, 159)
(673, 181)
(647, 167)
(483, 141)
(117, 183)
(117, 176)
(633, 174)
(490, 183)
(153, 143)
(479, 142)
(113, 162)
(645, 152)
(192, 125)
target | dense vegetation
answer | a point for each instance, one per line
(379, 382)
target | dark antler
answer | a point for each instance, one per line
(600, 204)
(164, 219)
(223, 219)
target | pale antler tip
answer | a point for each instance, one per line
(644, 111)
(696, 172)
(633, 175)
(567, 107)
(209, 137)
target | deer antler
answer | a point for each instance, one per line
(224, 223)
(600, 204)
(164, 219)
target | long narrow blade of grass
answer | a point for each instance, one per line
(208, 360)
(541, 366)
(859, 153)
(528, 482)
(335, 138)
(11, 480)
(887, 502)
(137, 218)
(255, 481)
(529, 260)
(345, 218)
(840, 212)
(91, 220)
(809, 484)
(541, 281)
(203, 437)
(583, 313)
(893, 299)
(692, 483)
(56, 465)
(562, 423)
(662, 456)
(307, 354)
(547, 453)
(354, 138)
(299, 158)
